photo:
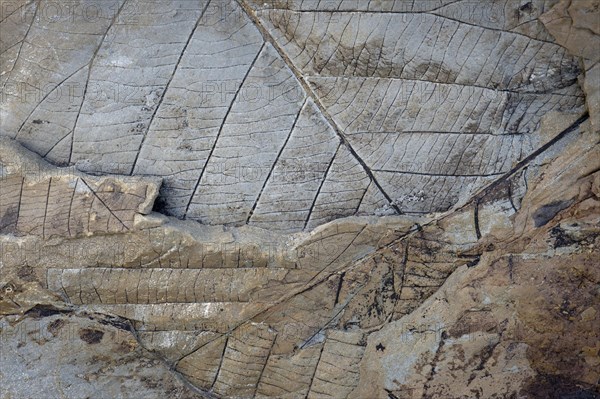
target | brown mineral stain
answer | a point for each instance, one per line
(91, 336)
(55, 326)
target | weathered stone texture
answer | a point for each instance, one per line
(385, 199)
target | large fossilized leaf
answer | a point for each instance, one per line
(285, 114)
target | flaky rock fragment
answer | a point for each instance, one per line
(576, 25)
(592, 89)
(39, 199)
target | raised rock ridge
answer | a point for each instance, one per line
(42, 200)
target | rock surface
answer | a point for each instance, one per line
(397, 199)
(307, 125)
(83, 356)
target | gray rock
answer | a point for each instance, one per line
(80, 356)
